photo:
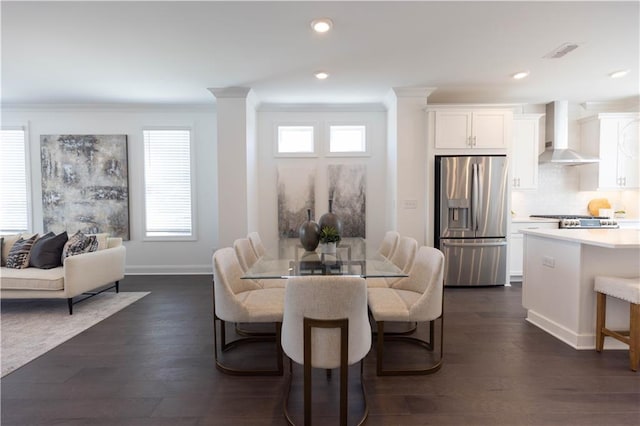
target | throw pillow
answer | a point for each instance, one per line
(1, 257)
(18, 257)
(47, 251)
(9, 240)
(79, 243)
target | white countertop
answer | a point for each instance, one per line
(609, 238)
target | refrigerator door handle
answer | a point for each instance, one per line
(496, 244)
(474, 196)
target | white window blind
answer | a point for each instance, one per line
(295, 139)
(167, 174)
(348, 139)
(14, 192)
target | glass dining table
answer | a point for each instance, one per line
(353, 256)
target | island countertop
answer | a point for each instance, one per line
(608, 238)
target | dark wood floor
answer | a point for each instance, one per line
(152, 364)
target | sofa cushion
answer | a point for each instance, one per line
(79, 243)
(47, 251)
(18, 257)
(32, 279)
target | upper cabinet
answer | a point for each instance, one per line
(472, 129)
(524, 153)
(615, 139)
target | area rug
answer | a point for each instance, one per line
(33, 327)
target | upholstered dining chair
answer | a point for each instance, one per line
(417, 298)
(247, 258)
(256, 243)
(389, 243)
(245, 253)
(326, 326)
(402, 257)
(243, 301)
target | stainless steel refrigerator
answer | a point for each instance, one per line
(471, 213)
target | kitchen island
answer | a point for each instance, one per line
(558, 279)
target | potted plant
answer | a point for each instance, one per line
(329, 238)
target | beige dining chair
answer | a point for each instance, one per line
(256, 243)
(402, 257)
(326, 326)
(243, 301)
(417, 298)
(389, 243)
(246, 255)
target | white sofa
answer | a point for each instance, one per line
(81, 274)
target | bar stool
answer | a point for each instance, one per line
(626, 289)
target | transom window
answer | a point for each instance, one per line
(347, 139)
(296, 140)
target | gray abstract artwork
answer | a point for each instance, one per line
(85, 184)
(296, 194)
(348, 189)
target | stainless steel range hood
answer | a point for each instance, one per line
(557, 138)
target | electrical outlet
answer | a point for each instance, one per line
(549, 261)
(410, 204)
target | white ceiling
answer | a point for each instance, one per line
(171, 52)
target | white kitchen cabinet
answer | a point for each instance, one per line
(465, 129)
(615, 139)
(524, 153)
(516, 244)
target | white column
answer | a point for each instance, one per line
(237, 175)
(407, 156)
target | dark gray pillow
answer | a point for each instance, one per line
(47, 251)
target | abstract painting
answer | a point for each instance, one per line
(348, 189)
(85, 184)
(296, 194)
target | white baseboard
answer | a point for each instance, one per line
(575, 340)
(168, 270)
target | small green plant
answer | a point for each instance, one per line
(329, 234)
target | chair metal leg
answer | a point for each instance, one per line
(428, 345)
(225, 346)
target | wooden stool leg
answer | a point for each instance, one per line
(600, 320)
(634, 336)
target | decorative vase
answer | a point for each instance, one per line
(330, 219)
(309, 233)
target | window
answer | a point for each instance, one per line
(296, 140)
(168, 184)
(14, 184)
(348, 139)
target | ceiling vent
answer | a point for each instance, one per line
(561, 50)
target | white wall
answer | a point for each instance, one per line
(376, 208)
(142, 256)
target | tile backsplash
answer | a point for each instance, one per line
(559, 193)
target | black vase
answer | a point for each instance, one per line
(309, 233)
(331, 220)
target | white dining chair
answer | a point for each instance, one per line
(243, 301)
(326, 326)
(389, 243)
(256, 243)
(418, 299)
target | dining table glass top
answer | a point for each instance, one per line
(353, 256)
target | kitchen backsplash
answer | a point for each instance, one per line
(558, 193)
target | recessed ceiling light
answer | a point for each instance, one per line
(321, 25)
(619, 74)
(520, 75)
(321, 75)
